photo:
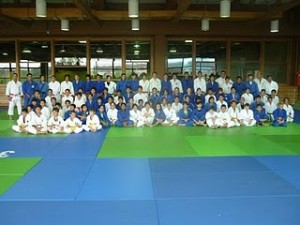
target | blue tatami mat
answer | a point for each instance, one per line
(58, 179)
(216, 177)
(230, 211)
(78, 213)
(84, 145)
(288, 167)
(118, 179)
(30, 147)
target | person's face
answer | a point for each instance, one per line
(157, 107)
(223, 74)
(211, 100)
(286, 101)
(50, 93)
(93, 91)
(72, 107)
(42, 103)
(15, 77)
(67, 78)
(54, 113)
(270, 100)
(38, 110)
(174, 77)
(87, 78)
(90, 97)
(29, 109)
(247, 91)
(52, 78)
(67, 104)
(233, 104)
(185, 106)
(147, 106)
(98, 78)
(176, 100)
(84, 108)
(269, 79)
(169, 106)
(123, 107)
(164, 101)
(101, 109)
(42, 78)
(280, 106)
(29, 77)
(134, 108)
(258, 108)
(166, 77)
(131, 101)
(212, 78)
(250, 78)
(199, 75)
(92, 113)
(189, 91)
(79, 97)
(223, 109)
(123, 77)
(154, 91)
(233, 90)
(67, 93)
(259, 75)
(72, 115)
(154, 75)
(140, 90)
(109, 79)
(239, 80)
(199, 106)
(24, 114)
(76, 77)
(112, 106)
(186, 75)
(133, 77)
(144, 77)
(221, 98)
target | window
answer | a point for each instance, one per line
(35, 59)
(210, 57)
(180, 57)
(245, 58)
(7, 60)
(276, 60)
(138, 57)
(106, 58)
(70, 58)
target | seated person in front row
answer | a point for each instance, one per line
(185, 116)
(73, 124)
(112, 114)
(260, 115)
(160, 116)
(171, 115)
(199, 115)
(82, 115)
(234, 113)
(289, 110)
(23, 122)
(123, 117)
(247, 117)
(92, 122)
(102, 115)
(280, 116)
(38, 123)
(224, 118)
(136, 116)
(148, 115)
(212, 118)
(56, 122)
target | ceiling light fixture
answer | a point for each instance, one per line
(133, 8)
(40, 8)
(173, 50)
(205, 24)
(26, 50)
(274, 27)
(64, 25)
(99, 50)
(135, 24)
(225, 8)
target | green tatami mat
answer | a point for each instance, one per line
(146, 147)
(200, 141)
(17, 166)
(7, 181)
(6, 124)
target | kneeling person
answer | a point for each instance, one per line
(260, 115)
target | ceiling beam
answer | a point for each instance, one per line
(76, 13)
(84, 8)
(183, 5)
(279, 9)
(13, 21)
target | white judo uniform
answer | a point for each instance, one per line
(14, 91)
(22, 123)
(212, 119)
(112, 115)
(73, 125)
(224, 118)
(55, 125)
(234, 116)
(148, 115)
(171, 116)
(92, 123)
(136, 117)
(289, 112)
(38, 122)
(246, 116)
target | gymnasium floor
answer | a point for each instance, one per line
(152, 176)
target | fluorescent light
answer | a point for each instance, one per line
(188, 41)
(173, 50)
(64, 25)
(44, 46)
(26, 50)
(136, 46)
(82, 42)
(40, 8)
(274, 28)
(62, 49)
(5, 53)
(99, 50)
(135, 24)
(133, 8)
(205, 24)
(136, 52)
(225, 8)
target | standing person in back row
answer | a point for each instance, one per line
(28, 87)
(271, 85)
(175, 83)
(155, 82)
(43, 87)
(14, 93)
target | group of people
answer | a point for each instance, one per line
(90, 105)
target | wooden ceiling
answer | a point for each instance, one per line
(22, 12)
